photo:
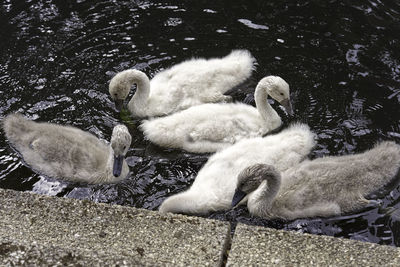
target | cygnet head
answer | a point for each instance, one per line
(120, 86)
(279, 90)
(250, 179)
(120, 143)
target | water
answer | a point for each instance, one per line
(340, 58)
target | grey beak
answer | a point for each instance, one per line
(117, 167)
(237, 197)
(287, 105)
(119, 103)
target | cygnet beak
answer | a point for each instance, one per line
(237, 197)
(117, 167)
(119, 103)
(287, 105)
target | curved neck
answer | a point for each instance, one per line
(142, 86)
(261, 199)
(268, 114)
(109, 164)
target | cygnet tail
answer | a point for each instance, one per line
(234, 69)
(16, 127)
(383, 165)
(301, 138)
(189, 202)
(159, 131)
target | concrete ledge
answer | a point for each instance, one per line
(258, 246)
(44, 230)
(49, 231)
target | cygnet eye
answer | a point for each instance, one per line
(124, 147)
(281, 94)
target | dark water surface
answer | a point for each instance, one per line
(341, 58)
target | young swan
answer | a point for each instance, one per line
(67, 152)
(192, 82)
(215, 183)
(211, 127)
(322, 187)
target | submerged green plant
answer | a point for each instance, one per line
(126, 118)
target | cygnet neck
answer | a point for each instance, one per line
(269, 116)
(260, 201)
(142, 86)
(110, 161)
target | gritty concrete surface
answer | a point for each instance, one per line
(38, 230)
(48, 231)
(258, 246)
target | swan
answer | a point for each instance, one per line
(190, 83)
(211, 127)
(215, 183)
(322, 187)
(67, 152)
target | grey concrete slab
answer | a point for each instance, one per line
(258, 246)
(43, 230)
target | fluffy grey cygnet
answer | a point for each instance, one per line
(322, 187)
(192, 82)
(67, 152)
